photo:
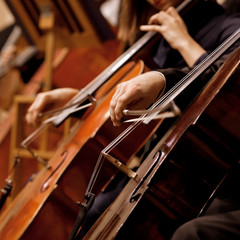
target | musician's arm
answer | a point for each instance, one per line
(49, 100)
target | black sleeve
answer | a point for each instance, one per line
(173, 75)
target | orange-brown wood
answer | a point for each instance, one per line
(32, 205)
(71, 168)
(175, 203)
(83, 69)
(82, 65)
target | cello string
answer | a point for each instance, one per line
(122, 136)
(101, 156)
(107, 149)
(111, 217)
(191, 76)
(95, 173)
(180, 86)
(196, 71)
(125, 56)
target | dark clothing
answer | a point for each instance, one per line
(102, 201)
(209, 30)
(221, 222)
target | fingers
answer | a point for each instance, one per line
(158, 18)
(171, 26)
(173, 12)
(53, 98)
(163, 16)
(137, 93)
(153, 28)
(121, 99)
(113, 104)
(36, 107)
(159, 21)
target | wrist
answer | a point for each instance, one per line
(191, 51)
(162, 83)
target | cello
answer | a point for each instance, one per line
(48, 183)
(126, 216)
(163, 102)
(51, 184)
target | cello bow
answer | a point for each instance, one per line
(111, 221)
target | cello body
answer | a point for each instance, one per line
(185, 170)
(48, 186)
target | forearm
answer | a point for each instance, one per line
(191, 51)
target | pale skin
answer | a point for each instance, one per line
(141, 91)
(137, 93)
(48, 100)
(171, 26)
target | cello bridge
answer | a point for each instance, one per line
(129, 172)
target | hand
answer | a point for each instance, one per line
(137, 93)
(172, 27)
(49, 99)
